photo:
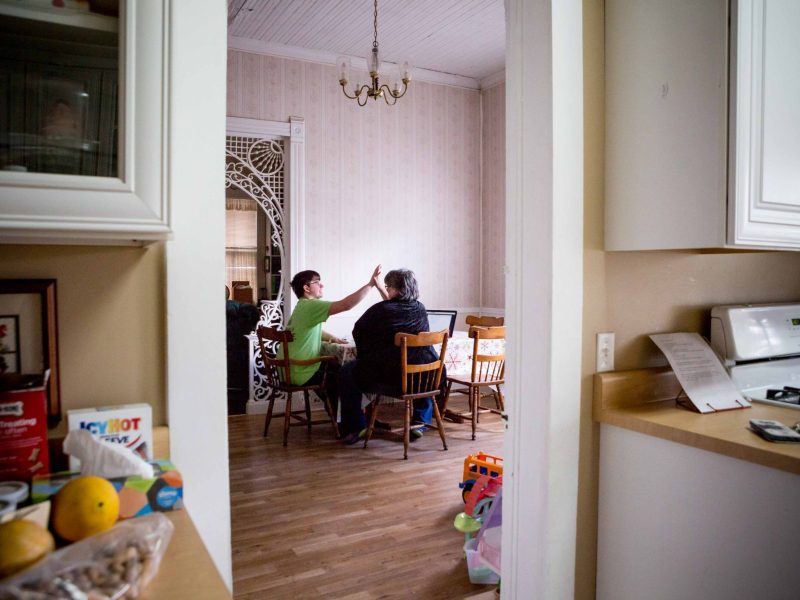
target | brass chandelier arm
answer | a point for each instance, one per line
(394, 95)
(359, 93)
(390, 94)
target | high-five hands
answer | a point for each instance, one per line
(376, 276)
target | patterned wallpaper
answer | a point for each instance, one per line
(494, 198)
(397, 185)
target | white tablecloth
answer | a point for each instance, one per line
(457, 359)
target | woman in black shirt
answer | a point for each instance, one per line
(377, 368)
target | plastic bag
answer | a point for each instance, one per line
(112, 565)
(489, 537)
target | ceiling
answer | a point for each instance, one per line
(458, 37)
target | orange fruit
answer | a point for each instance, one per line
(22, 543)
(85, 506)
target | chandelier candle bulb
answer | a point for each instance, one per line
(344, 70)
(374, 62)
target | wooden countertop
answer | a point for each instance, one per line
(186, 571)
(644, 400)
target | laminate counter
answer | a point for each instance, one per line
(690, 505)
(644, 401)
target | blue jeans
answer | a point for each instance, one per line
(353, 419)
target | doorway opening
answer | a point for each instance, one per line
(258, 252)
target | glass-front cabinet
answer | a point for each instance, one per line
(83, 130)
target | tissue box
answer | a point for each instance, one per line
(137, 495)
(23, 433)
(129, 424)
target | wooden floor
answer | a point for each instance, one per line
(322, 520)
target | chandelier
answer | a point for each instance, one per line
(361, 93)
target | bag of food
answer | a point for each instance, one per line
(115, 564)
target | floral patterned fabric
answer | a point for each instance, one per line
(458, 358)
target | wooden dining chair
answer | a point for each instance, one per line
(279, 380)
(488, 370)
(417, 382)
(484, 321)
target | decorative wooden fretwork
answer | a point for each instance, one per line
(256, 167)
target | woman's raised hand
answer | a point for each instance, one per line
(376, 276)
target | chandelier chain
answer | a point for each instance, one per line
(375, 43)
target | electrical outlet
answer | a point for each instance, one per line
(605, 352)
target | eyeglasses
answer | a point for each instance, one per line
(315, 281)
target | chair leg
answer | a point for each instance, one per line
(474, 401)
(446, 412)
(287, 414)
(329, 410)
(308, 411)
(446, 397)
(373, 415)
(407, 428)
(439, 424)
(269, 410)
(498, 397)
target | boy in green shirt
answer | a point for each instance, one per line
(306, 326)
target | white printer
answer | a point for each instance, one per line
(759, 344)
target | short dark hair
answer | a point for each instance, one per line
(301, 280)
(404, 282)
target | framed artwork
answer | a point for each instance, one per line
(9, 344)
(30, 342)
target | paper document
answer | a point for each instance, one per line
(705, 381)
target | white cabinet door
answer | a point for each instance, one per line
(765, 150)
(132, 206)
(666, 122)
(702, 148)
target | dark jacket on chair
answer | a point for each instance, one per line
(240, 319)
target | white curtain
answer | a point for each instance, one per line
(240, 243)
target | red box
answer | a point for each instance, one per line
(23, 434)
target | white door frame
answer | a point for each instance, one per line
(544, 295)
(294, 130)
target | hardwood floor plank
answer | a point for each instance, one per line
(318, 519)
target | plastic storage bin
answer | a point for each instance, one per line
(478, 571)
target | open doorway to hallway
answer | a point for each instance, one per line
(255, 246)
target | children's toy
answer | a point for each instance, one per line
(489, 537)
(476, 465)
(483, 492)
(482, 488)
(479, 503)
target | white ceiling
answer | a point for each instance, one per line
(460, 37)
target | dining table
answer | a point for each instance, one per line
(457, 356)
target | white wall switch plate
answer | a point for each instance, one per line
(605, 352)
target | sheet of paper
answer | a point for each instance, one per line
(705, 381)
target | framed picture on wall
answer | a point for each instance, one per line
(9, 344)
(30, 340)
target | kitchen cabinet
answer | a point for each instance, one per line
(701, 124)
(83, 133)
(691, 505)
